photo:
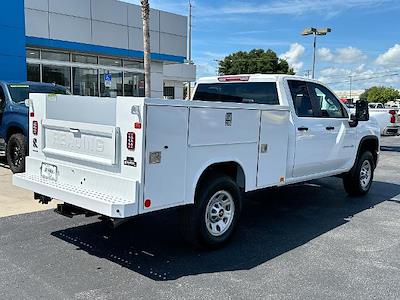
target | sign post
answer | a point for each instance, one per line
(107, 80)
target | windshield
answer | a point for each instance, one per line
(20, 92)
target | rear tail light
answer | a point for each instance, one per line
(130, 140)
(393, 117)
(35, 127)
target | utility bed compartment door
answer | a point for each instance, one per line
(166, 152)
(272, 155)
(86, 142)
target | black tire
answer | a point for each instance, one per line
(194, 224)
(16, 153)
(354, 182)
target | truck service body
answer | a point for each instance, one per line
(128, 156)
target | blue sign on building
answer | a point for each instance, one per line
(12, 50)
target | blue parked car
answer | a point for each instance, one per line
(14, 125)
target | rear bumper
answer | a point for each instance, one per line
(101, 203)
(391, 130)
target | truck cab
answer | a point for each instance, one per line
(14, 118)
(323, 139)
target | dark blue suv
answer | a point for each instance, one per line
(14, 125)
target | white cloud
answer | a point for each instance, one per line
(297, 7)
(349, 55)
(293, 56)
(390, 57)
(325, 54)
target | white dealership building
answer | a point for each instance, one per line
(93, 47)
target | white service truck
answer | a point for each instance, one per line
(125, 157)
(388, 120)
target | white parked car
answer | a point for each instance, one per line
(129, 156)
(376, 105)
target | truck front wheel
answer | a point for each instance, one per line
(16, 152)
(358, 181)
(211, 221)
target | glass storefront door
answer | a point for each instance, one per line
(85, 82)
(58, 75)
(134, 84)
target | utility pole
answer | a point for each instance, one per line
(190, 45)
(351, 82)
(314, 50)
(146, 46)
(190, 33)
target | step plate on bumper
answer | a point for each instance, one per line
(101, 203)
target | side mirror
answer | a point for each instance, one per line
(353, 122)
(362, 113)
(362, 110)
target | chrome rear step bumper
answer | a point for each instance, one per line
(91, 200)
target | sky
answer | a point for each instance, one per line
(364, 44)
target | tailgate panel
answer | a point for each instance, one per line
(81, 141)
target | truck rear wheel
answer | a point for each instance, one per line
(212, 220)
(16, 153)
(358, 181)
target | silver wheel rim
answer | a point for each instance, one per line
(219, 213)
(365, 174)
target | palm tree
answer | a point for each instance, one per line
(146, 46)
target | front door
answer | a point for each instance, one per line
(335, 120)
(310, 133)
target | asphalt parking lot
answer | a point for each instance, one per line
(299, 242)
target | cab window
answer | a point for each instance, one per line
(301, 98)
(249, 92)
(328, 105)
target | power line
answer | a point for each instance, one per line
(364, 79)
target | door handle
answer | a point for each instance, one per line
(330, 128)
(302, 128)
(74, 130)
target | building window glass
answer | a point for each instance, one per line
(133, 84)
(113, 89)
(131, 64)
(58, 75)
(85, 82)
(50, 55)
(31, 53)
(85, 59)
(33, 72)
(114, 62)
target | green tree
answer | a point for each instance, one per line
(380, 94)
(254, 61)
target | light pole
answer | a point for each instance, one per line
(315, 32)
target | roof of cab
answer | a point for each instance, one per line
(249, 77)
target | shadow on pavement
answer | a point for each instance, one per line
(273, 222)
(390, 148)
